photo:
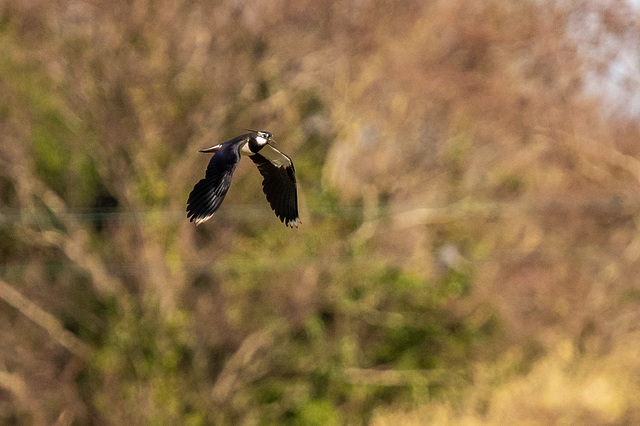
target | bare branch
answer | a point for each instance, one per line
(244, 366)
(44, 319)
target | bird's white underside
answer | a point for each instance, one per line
(245, 150)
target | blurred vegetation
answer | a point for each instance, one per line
(469, 244)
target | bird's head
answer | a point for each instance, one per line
(263, 138)
(258, 139)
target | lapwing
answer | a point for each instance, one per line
(279, 178)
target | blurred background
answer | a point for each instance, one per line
(468, 179)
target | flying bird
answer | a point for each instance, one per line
(276, 168)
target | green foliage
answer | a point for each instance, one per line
(373, 315)
(145, 359)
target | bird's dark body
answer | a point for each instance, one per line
(279, 183)
(209, 192)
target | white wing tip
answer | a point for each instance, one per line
(200, 220)
(294, 223)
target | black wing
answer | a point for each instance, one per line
(279, 184)
(207, 195)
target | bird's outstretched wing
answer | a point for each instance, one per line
(207, 195)
(279, 183)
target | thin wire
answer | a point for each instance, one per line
(253, 211)
(250, 211)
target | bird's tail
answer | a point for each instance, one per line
(211, 149)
